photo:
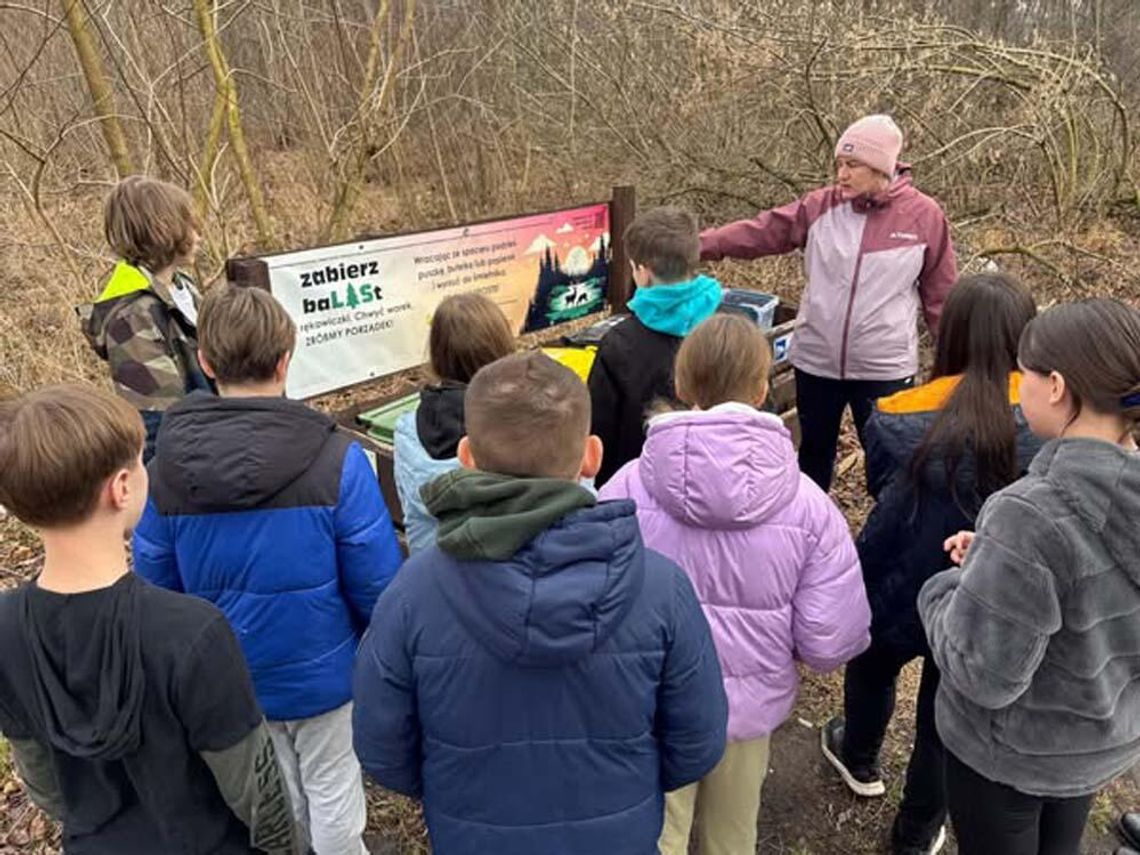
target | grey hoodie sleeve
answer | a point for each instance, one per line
(989, 623)
(36, 770)
(251, 783)
(215, 701)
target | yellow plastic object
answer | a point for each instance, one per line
(577, 359)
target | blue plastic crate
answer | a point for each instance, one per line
(758, 307)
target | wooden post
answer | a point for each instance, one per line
(623, 208)
(248, 271)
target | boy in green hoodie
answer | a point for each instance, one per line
(634, 365)
(129, 709)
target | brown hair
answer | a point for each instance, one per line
(243, 333)
(982, 321)
(58, 446)
(468, 331)
(528, 416)
(149, 223)
(666, 241)
(726, 358)
(1095, 346)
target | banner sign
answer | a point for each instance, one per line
(363, 309)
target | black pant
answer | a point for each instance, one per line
(993, 819)
(820, 402)
(868, 703)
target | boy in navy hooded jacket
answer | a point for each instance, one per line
(538, 676)
(259, 505)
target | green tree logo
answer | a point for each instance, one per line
(350, 297)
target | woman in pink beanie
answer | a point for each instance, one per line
(876, 250)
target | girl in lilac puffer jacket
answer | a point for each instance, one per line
(718, 490)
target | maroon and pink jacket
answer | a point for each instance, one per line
(871, 263)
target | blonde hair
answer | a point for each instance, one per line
(58, 446)
(726, 358)
(243, 333)
(149, 223)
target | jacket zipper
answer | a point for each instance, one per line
(850, 307)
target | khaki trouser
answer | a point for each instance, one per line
(726, 803)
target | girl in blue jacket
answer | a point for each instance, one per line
(468, 331)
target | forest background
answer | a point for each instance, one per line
(295, 123)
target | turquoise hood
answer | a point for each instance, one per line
(677, 308)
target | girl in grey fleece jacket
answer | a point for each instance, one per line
(1038, 634)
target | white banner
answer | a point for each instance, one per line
(363, 309)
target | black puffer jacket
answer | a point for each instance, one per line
(900, 546)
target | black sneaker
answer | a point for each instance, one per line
(1129, 827)
(862, 781)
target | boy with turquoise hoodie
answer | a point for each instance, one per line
(634, 365)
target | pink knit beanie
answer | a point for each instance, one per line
(874, 140)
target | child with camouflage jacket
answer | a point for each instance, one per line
(144, 323)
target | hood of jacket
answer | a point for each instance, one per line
(439, 419)
(677, 308)
(1100, 481)
(483, 516)
(728, 467)
(91, 708)
(125, 285)
(224, 453)
(901, 421)
(559, 594)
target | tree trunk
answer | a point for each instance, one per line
(102, 95)
(205, 177)
(227, 89)
(368, 106)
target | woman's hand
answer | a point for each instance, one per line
(957, 545)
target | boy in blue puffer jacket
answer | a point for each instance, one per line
(259, 505)
(538, 676)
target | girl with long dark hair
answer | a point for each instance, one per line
(934, 454)
(1038, 635)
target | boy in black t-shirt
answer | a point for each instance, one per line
(129, 709)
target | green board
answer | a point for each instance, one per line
(381, 421)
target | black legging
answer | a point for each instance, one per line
(993, 819)
(868, 704)
(820, 403)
